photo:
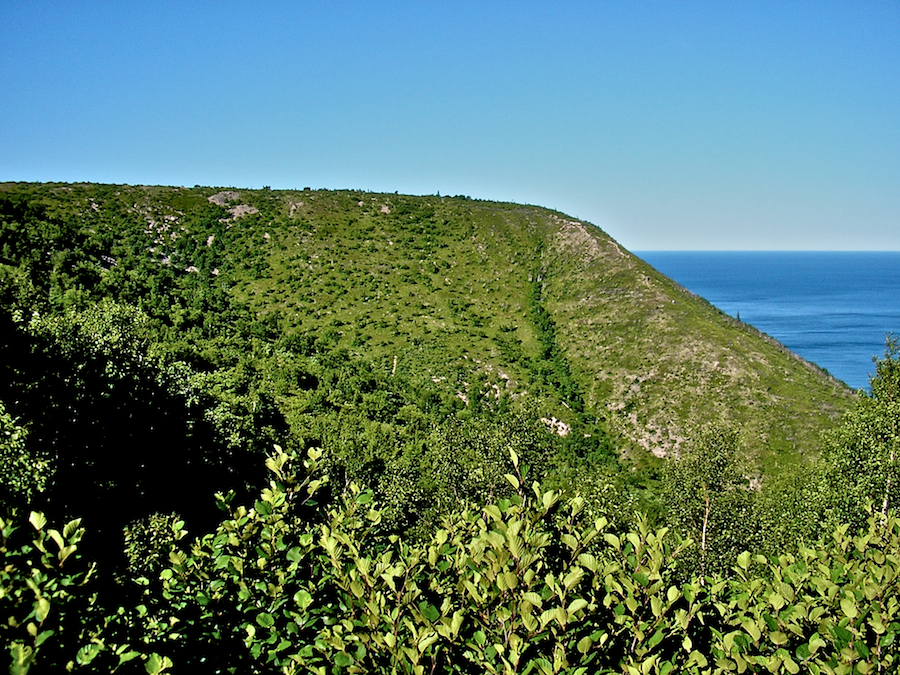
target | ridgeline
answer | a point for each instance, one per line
(490, 302)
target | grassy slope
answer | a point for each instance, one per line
(443, 287)
(447, 293)
(660, 359)
(440, 285)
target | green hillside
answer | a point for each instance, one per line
(658, 359)
(454, 288)
(335, 431)
(485, 299)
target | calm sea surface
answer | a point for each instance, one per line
(833, 309)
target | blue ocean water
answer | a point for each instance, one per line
(831, 308)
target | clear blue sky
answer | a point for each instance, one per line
(671, 125)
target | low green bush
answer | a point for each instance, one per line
(524, 585)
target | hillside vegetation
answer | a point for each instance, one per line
(497, 293)
(473, 295)
(385, 380)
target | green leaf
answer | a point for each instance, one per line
(429, 611)
(816, 643)
(342, 659)
(65, 552)
(41, 609)
(303, 599)
(560, 615)
(862, 649)
(569, 540)
(87, 654)
(125, 657)
(456, 623)
(848, 607)
(57, 538)
(776, 601)
(656, 638)
(843, 635)
(589, 561)
(38, 520)
(22, 658)
(427, 640)
(549, 499)
(790, 665)
(275, 464)
(752, 629)
(698, 658)
(71, 528)
(778, 638)
(265, 620)
(43, 637)
(157, 664)
(576, 606)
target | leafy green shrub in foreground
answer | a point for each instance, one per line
(520, 586)
(50, 615)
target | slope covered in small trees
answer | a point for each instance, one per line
(444, 364)
(488, 301)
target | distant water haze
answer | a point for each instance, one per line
(831, 308)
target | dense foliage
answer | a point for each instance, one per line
(526, 584)
(463, 504)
